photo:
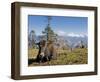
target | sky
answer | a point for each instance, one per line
(62, 25)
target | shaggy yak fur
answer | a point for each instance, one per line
(47, 51)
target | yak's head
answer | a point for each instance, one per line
(45, 50)
(42, 47)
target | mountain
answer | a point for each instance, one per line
(73, 41)
(67, 41)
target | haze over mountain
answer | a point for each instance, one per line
(73, 40)
(70, 40)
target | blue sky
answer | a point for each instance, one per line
(62, 25)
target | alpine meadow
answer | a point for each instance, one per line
(57, 40)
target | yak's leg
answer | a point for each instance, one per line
(54, 55)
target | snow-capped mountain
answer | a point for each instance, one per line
(69, 41)
(73, 41)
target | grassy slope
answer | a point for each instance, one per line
(77, 56)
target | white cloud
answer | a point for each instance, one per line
(75, 35)
(61, 33)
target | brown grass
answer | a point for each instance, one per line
(64, 57)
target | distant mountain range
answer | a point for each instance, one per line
(72, 41)
(69, 40)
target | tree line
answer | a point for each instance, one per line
(48, 35)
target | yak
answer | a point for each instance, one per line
(47, 51)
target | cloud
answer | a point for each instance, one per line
(61, 33)
(75, 35)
